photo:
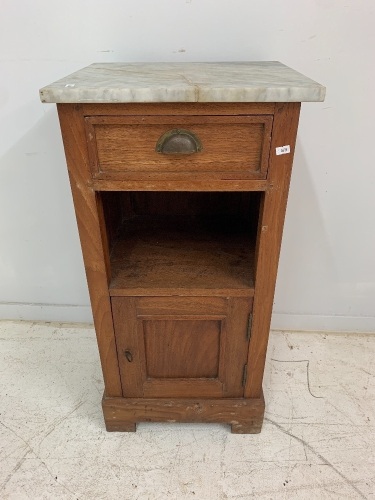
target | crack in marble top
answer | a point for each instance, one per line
(266, 81)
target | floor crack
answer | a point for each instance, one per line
(317, 454)
(307, 361)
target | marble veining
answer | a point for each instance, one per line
(266, 81)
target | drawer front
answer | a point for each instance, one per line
(175, 147)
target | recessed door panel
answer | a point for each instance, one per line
(177, 348)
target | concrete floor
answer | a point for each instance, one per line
(317, 442)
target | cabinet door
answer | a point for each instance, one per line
(181, 346)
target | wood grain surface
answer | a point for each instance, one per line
(270, 230)
(119, 146)
(182, 245)
(162, 257)
(94, 249)
(244, 415)
(210, 184)
(181, 346)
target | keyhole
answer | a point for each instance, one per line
(128, 356)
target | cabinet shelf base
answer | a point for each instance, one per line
(245, 416)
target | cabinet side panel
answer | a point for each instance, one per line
(94, 253)
(271, 222)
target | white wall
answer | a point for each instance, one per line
(327, 269)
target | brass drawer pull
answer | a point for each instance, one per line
(178, 142)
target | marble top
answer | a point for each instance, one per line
(267, 81)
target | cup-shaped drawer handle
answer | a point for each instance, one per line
(178, 142)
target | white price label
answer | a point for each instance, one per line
(283, 150)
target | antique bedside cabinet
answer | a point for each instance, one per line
(180, 176)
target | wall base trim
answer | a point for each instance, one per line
(66, 313)
(312, 322)
(69, 313)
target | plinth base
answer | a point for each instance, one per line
(245, 416)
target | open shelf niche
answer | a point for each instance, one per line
(181, 243)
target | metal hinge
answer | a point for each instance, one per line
(244, 375)
(249, 325)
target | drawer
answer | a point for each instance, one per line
(177, 147)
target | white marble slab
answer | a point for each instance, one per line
(184, 82)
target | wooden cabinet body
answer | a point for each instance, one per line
(180, 175)
(181, 253)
